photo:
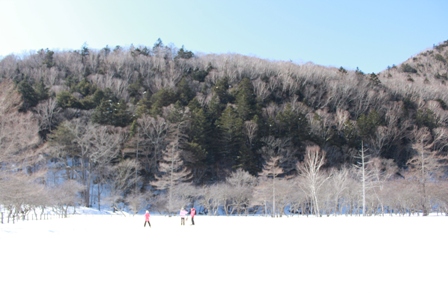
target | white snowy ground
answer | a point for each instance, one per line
(100, 256)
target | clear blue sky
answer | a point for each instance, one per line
(370, 35)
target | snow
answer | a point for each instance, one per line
(114, 256)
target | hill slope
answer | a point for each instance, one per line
(293, 104)
(112, 118)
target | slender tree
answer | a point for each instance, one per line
(172, 173)
(272, 170)
(152, 137)
(362, 167)
(86, 147)
(310, 171)
(240, 184)
(424, 165)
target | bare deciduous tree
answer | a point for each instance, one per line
(18, 131)
(135, 202)
(212, 197)
(122, 177)
(240, 190)
(105, 148)
(180, 196)
(86, 147)
(250, 129)
(312, 177)
(363, 175)
(152, 134)
(184, 194)
(321, 123)
(272, 170)
(172, 173)
(279, 147)
(66, 195)
(440, 195)
(333, 191)
(20, 182)
(424, 165)
(19, 192)
(381, 171)
(47, 114)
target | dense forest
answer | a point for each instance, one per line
(163, 128)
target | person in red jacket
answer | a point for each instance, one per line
(147, 219)
(192, 213)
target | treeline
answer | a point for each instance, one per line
(137, 123)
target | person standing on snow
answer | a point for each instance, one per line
(182, 214)
(147, 219)
(192, 213)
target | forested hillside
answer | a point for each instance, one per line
(163, 127)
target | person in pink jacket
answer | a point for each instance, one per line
(182, 214)
(147, 219)
(192, 213)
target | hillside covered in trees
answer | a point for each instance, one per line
(162, 127)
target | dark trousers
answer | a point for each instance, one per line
(148, 223)
(192, 220)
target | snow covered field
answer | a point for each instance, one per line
(103, 256)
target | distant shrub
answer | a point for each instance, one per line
(441, 45)
(374, 79)
(409, 104)
(199, 75)
(440, 58)
(441, 76)
(367, 123)
(342, 70)
(408, 69)
(443, 105)
(426, 118)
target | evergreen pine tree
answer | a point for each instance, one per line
(231, 127)
(245, 100)
(110, 110)
(30, 97)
